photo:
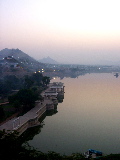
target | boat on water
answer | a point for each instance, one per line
(91, 153)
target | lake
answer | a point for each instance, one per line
(88, 117)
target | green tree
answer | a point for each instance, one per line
(11, 81)
(25, 97)
(17, 105)
(4, 87)
(37, 77)
(46, 80)
(11, 148)
(8, 145)
(28, 82)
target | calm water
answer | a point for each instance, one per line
(88, 117)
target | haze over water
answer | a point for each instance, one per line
(87, 118)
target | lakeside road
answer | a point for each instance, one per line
(16, 122)
(23, 119)
(10, 125)
(31, 118)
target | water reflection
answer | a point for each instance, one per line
(31, 132)
(87, 118)
(52, 112)
(116, 75)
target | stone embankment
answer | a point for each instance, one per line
(31, 118)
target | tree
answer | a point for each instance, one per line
(46, 80)
(11, 81)
(11, 148)
(8, 144)
(37, 77)
(25, 97)
(4, 87)
(28, 82)
(16, 105)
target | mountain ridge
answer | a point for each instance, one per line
(48, 60)
(23, 58)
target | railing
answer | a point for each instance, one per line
(31, 122)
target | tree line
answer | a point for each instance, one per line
(28, 88)
(12, 82)
(11, 148)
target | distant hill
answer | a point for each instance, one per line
(15, 53)
(48, 60)
(25, 60)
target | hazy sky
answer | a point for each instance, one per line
(69, 31)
